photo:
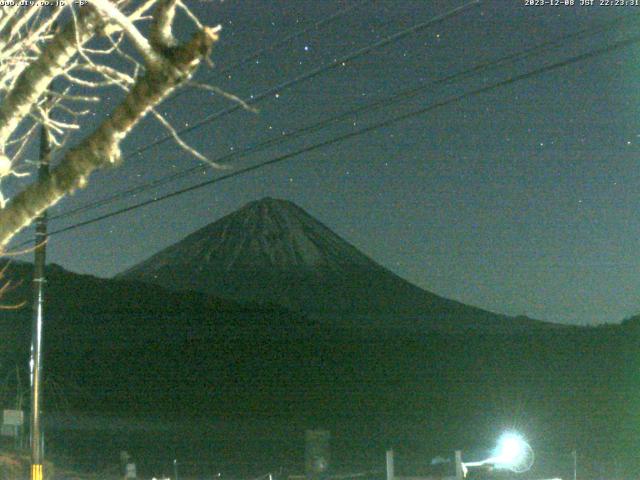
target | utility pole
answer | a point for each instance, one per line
(40, 250)
(574, 454)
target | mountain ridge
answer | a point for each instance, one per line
(271, 250)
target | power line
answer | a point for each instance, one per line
(270, 48)
(312, 73)
(376, 126)
(405, 94)
(306, 76)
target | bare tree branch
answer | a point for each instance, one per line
(142, 45)
(227, 95)
(182, 144)
(34, 52)
(102, 147)
(161, 36)
(34, 81)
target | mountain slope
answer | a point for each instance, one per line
(132, 349)
(79, 306)
(273, 251)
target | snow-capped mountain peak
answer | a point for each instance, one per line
(273, 251)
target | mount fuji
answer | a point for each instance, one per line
(272, 251)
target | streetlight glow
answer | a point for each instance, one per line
(511, 448)
(512, 453)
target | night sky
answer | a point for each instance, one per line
(520, 200)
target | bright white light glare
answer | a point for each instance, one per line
(511, 448)
(512, 453)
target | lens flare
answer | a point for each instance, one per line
(513, 453)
